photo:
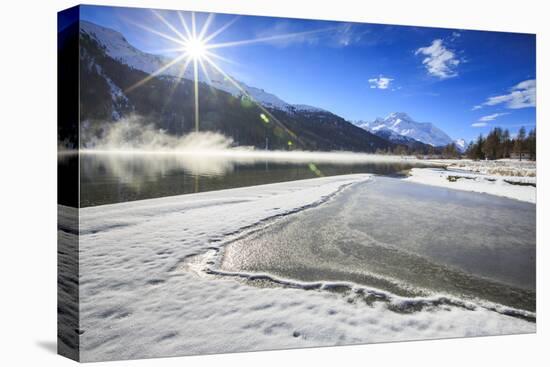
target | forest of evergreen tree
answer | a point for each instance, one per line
(499, 144)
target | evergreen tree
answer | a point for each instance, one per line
(450, 151)
(519, 142)
(532, 144)
(507, 146)
(491, 145)
(479, 148)
(498, 145)
(470, 150)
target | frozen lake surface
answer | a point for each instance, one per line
(406, 238)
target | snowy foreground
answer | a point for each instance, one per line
(143, 295)
(508, 178)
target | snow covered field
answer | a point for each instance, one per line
(143, 292)
(508, 178)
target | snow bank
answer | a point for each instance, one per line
(500, 167)
(513, 187)
(138, 299)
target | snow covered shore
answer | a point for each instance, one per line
(139, 299)
(507, 178)
(499, 167)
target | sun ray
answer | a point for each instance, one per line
(196, 77)
(179, 50)
(179, 76)
(169, 25)
(204, 71)
(221, 58)
(193, 25)
(206, 25)
(156, 73)
(266, 39)
(184, 68)
(242, 90)
(222, 29)
(235, 84)
(158, 33)
(184, 24)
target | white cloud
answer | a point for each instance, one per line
(522, 95)
(493, 116)
(439, 61)
(284, 33)
(479, 124)
(484, 120)
(380, 82)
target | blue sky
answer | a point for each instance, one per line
(465, 82)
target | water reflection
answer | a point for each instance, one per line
(111, 177)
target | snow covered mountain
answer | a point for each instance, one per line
(461, 145)
(307, 108)
(398, 127)
(117, 47)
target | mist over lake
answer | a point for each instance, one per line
(118, 177)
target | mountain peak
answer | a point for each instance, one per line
(400, 124)
(399, 115)
(460, 145)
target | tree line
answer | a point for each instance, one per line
(499, 144)
(496, 145)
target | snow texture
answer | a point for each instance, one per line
(141, 296)
(507, 180)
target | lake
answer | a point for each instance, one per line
(115, 178)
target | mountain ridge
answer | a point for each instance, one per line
(399, 126)
(120, 49)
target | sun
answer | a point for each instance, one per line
(195, 48)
